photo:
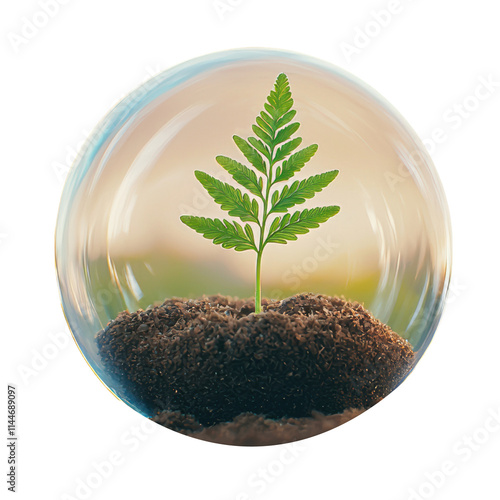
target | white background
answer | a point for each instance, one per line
(60, 78)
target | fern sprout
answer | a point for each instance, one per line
(271, 154)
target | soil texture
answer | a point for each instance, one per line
(214, 369)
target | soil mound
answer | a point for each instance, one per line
(214, 360)
(249, 429)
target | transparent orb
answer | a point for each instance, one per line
(120, 244)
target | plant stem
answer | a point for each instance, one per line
(258, 298)
(262, 244)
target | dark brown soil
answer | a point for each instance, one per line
(214, 360)
(249, 429)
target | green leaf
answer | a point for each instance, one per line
(298, 192)
(274, 198)
(249, 233)
(299, 223)
(272, 153)
(285, 133)
(269, 109)
(283, 108)
(286, 118)
(284, 150)
(279, 100)
(224, 233)
(268, 119)
(264, 126)
(241, 174)
(275, 225)
(251, 154)
(266, 138)
(260, 147)
(291, 166)
(229, 198)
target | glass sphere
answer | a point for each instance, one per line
(120, 244)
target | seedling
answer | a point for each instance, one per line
(272, 145)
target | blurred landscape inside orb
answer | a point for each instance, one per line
(120, 246)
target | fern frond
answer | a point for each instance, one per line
(229, 198)
(300, 191)
(222, 232)
(287, 227)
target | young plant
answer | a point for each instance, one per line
(273, 144)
